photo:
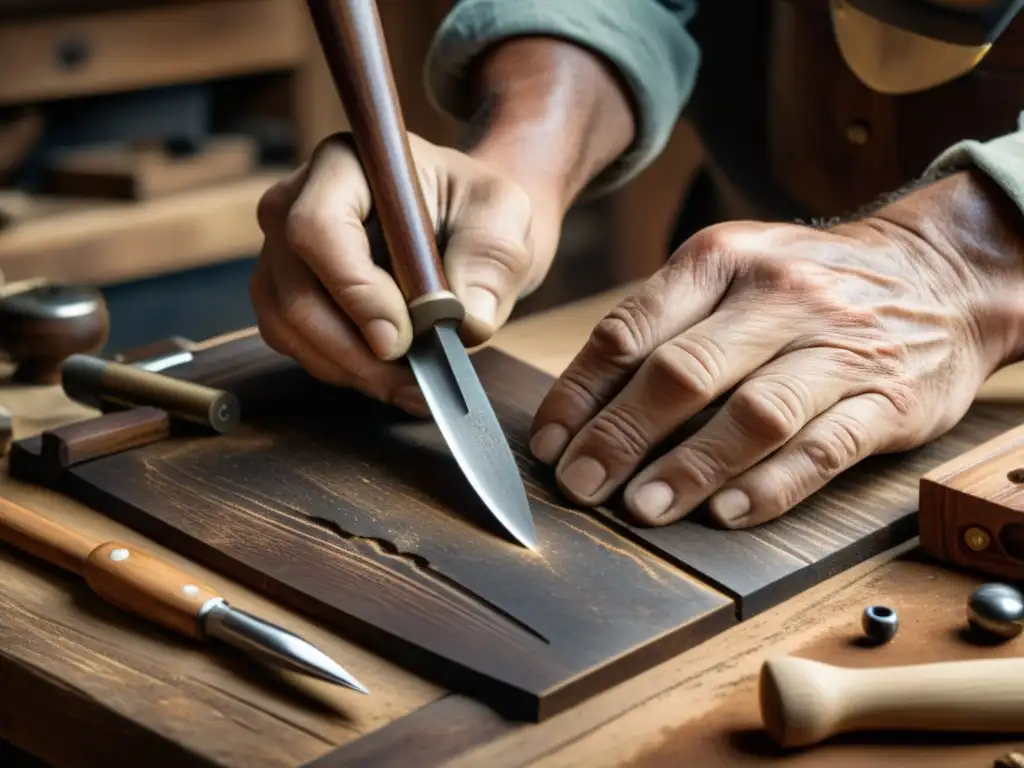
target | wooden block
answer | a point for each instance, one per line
(60, 56)
(106, 242)
(972, 508)
(348, 510)
(144, 172)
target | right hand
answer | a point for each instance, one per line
(319, 297)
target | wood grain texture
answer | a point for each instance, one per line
(347, 510)
(102, 242)
(972, 508)
(66, 446)
(436, 733)
(931, 607)
(171, 43)
(141, 173)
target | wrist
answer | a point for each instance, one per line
(977, 234)
(550, 116)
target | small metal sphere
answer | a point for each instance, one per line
(880, 623)
(997, 609)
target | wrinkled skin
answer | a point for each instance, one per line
(834, 344)
(820, 346)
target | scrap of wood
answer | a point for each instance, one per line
(129, 172)
(104, 242)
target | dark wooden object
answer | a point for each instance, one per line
(42, 326)
(145, 172)
(355, 513)
(972, 508)
(6, 431)
(353, 44)
(86, 440)
(436, 733)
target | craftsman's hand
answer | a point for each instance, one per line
(826, 346)
(320, 298)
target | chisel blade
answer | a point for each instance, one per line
(467, 422)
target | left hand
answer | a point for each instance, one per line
(834, 344)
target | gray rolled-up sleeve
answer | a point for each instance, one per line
(1002, 159)
(646, 41)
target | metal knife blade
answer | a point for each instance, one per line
(467, 421)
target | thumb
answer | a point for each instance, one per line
(488, 258)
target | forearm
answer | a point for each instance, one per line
(550, 114)
(978, 229)
(550, 81)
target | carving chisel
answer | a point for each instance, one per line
(137, 582)
(353, 44)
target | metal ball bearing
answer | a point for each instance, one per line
(997, 609)
(880, 623)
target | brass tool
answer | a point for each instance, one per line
(94, 381)
(139, 583)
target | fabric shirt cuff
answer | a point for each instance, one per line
(645, 40)
(1001, 158)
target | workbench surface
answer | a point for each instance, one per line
(84, 684)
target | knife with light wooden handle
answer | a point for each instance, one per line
(139, 583)
(804, 702)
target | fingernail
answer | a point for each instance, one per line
(729, 506)
(381, 335)
(481, 304)
(584, 476)
(653, 499)
(410, 398)
(549, 442)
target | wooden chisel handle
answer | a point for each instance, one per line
(123, 575)
(32, 533)
(804, 702)
(354, 48)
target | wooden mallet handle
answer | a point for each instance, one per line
(354, 48)
(804, 702)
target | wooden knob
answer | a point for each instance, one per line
(42, 326)
(804, 702)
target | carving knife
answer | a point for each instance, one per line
(353, 44)
(137, 582)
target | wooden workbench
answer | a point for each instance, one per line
(83, 684)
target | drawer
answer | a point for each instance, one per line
(70, 55)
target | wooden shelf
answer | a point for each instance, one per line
(59, 56)
(107, 242)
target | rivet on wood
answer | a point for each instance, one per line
(977, 538)
(858, 132)
(119, 554)
(1016, 475)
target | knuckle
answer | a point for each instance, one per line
(298, 312)
(621, 434)
(307, 230)
(686, 368)
(841, 443)
(623, 336)
(772, 410)
(698, 467)
(271, 209)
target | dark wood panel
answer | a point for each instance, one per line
(437, 733)
(358, 514)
